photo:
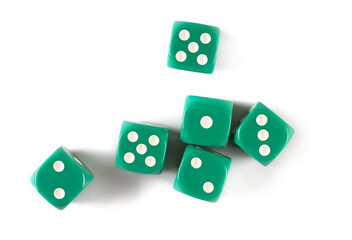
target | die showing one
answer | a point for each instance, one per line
(206, 121)
(202, 174)
(263, 134)
(61, 178)
(142, 148)
(193, 47)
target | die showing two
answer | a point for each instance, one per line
(202, 174)
(61, 178)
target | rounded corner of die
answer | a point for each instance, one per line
(60, 207)
(33, 179)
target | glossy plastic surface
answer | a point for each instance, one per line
(195, 50)
(217, 132)
(70, 177)
(277, 134)
(199, 169)
(149, 148)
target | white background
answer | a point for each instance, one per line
(72, 71)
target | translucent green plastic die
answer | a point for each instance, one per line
(202, 174)
(61, 178)
(142, 148)
(193, 47)
(206, 121)
(263, 134)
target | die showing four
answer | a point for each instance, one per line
(141, 148)
(193, 47)
(61, 178)
(202, 174)
(263, 134)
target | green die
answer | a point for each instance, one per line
(193, 47)
(206, 121)
(263, 134)
(202, 174)
(142, 148)
(61, 178)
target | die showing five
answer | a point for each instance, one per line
(142, 148)
(193, 47)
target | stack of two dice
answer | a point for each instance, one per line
(206, 123)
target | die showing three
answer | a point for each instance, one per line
(263, 134)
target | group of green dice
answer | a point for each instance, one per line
(206, 123)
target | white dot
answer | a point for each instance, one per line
(141, 149)
(202, 59)
(184, 35)
(264, 150)
(193, 47)
(206, 122)
(263, 135)
(59, 166)
(261, 119)
(205, 38)
(59, 193)
(208, 187)
(181, 56)
(132, 136)
(129, 157)
(150, 161)
(153, 140)
(196, 162)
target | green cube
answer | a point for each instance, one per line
(142, 148)
(206, 121)
(193, 47)
(263, 134)
(61, 178)
(202, 174)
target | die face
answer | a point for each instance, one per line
(61, 178)
(202, 174)
(193, 47)
(142, 148)
(263, 134)
(206, 121)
